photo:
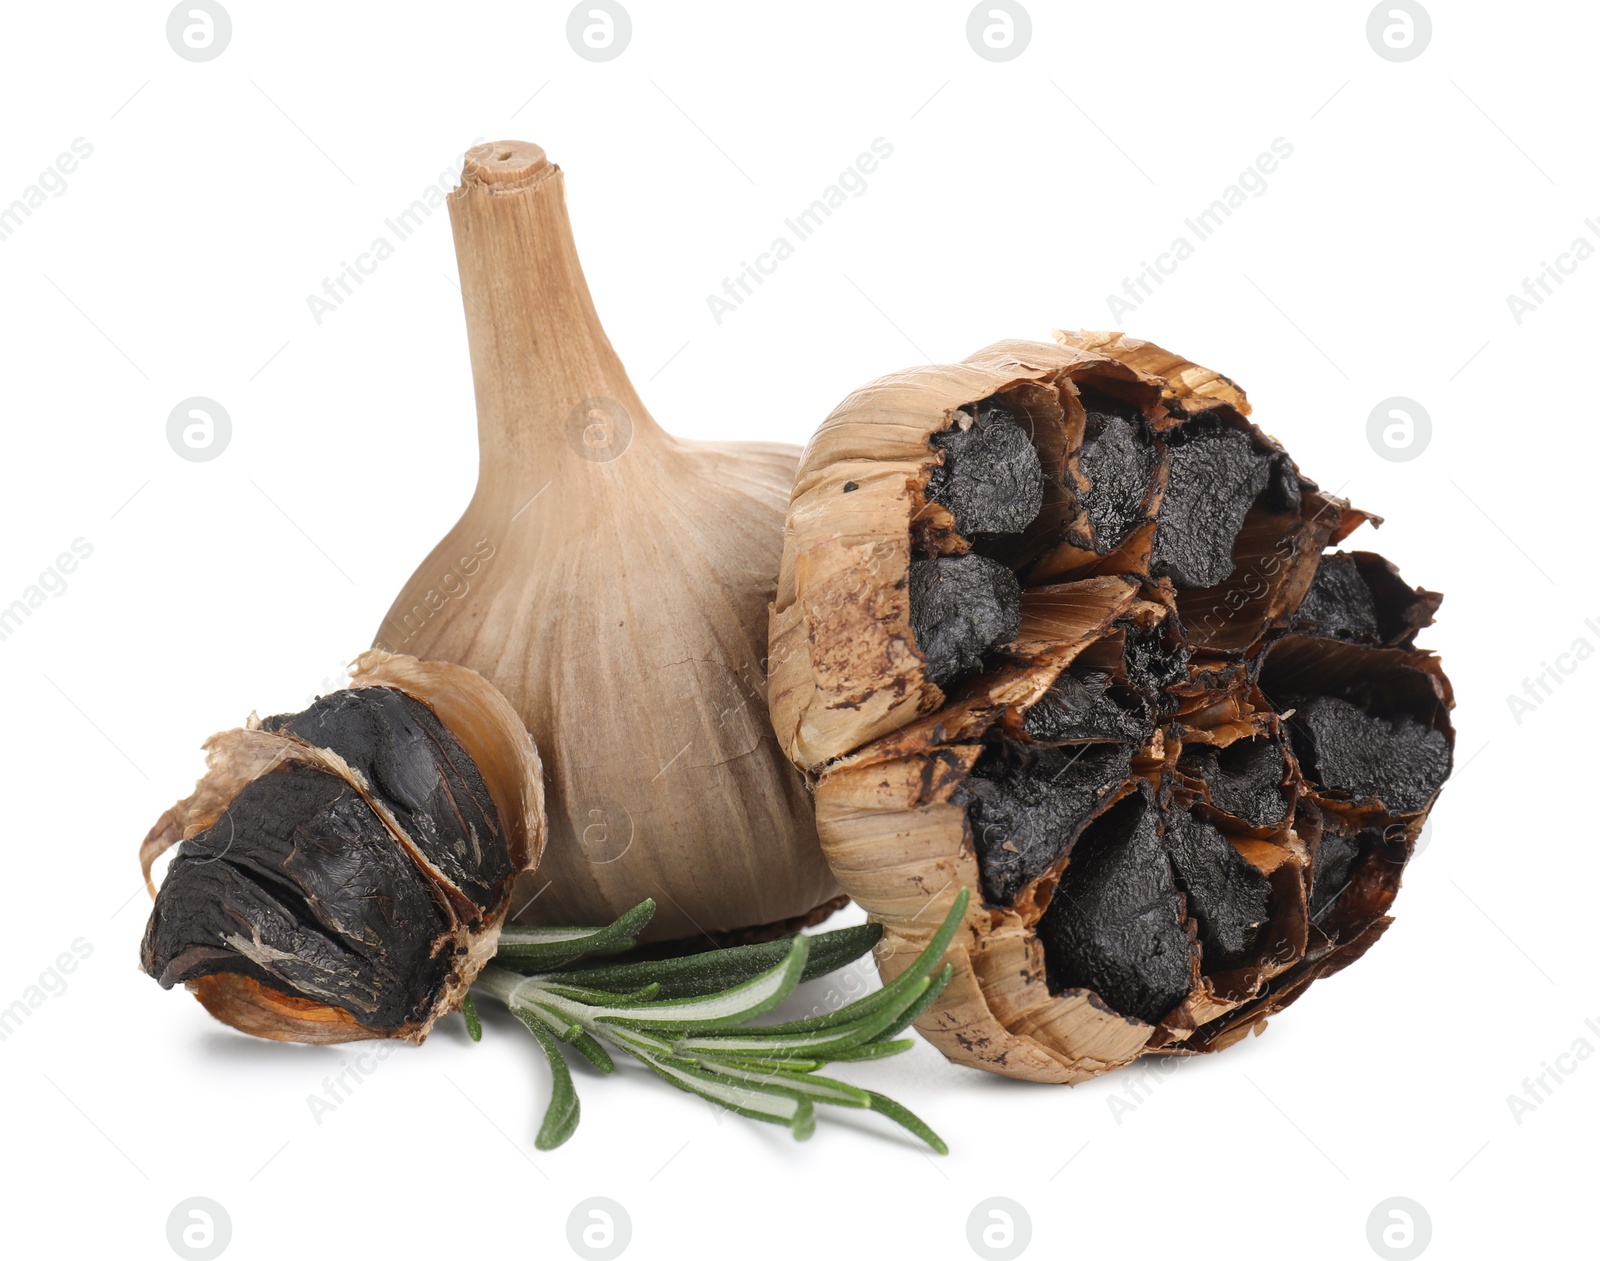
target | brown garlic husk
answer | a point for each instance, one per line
(613, 582)
(343, 873)
(1060, 625)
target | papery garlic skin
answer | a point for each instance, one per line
(622, 607)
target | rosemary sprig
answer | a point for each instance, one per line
(688, 1018)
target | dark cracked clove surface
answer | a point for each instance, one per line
(1086, 705)
(991, 479)
(1115, 923)
(1332, 864)
(1118, 462)
(1026, 806)
(422, 775)
(356, 886)
(1394, 760)
(1153, 663)
(1246, 779)
(1212, 481)
(962, 607)
(1227, 896)
(301, 886)
(1339, 604)
(1360, 598)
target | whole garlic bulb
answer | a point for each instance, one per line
(620, 579)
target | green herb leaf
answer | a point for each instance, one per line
(588, 997)
(821, 1040)
(561, 1116)
(909, 1016)
(784, 1063)
(547, 948)
(872, 1051)
(592, 1051)
(775, 1104)
(695, 975)
(909, 1119)
(469, 1013)
(822, 1089)
(755, 997)
(688, 1019)
(894, 992)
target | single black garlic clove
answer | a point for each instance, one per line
(991, 479)
(1229, 899)
(1248, 780)
(1394, 760)
(300, 886)
(1115, 924)
(343, 872)
(1118, 464)
(420, 772)
(1028, 805)
(1213, 480)
(963, 607)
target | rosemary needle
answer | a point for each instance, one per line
(689, 1019)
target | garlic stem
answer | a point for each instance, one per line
(538, 349)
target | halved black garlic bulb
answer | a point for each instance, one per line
(1060, 626)
(343, 873)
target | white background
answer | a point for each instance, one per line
(1377, 263)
